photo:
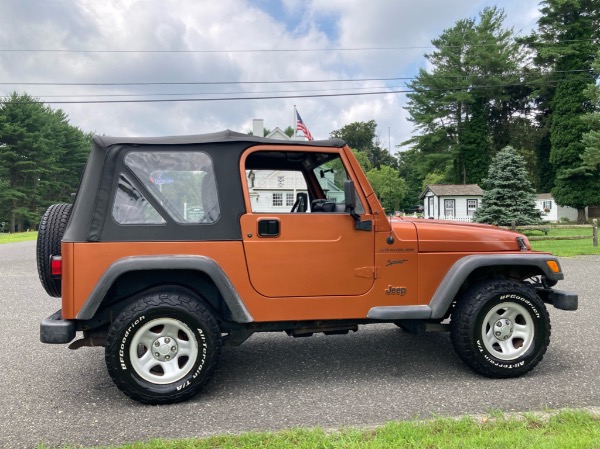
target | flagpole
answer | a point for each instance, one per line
(294, 124)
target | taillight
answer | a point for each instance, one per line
(56, 266)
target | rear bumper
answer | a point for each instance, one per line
(560, 299)
(55, 330)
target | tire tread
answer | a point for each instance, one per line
(466, 312)
(50, 233)
(160, 299)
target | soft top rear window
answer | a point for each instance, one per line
(182, 182)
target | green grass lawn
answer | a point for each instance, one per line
(17, 237)
(564, 248)
(567, 429)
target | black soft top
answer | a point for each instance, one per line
(218, 137)
(91, 217)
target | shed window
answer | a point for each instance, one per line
(471, 207)
(449, 208)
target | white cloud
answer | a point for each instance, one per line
(227, 25)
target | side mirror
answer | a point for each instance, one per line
(350, 195)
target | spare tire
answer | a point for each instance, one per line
(52, 228)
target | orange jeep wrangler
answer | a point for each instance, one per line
(176, 246)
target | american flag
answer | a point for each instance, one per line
(300, 126)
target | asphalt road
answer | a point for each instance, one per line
(50, 394)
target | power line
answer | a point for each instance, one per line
(276, 50)
(162, 94)
(214, 83)
(262, 97)
(209, 83)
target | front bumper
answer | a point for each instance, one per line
(560, 299)
(55, 330)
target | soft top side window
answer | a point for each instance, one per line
(182, 182)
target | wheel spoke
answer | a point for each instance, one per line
(493, 318)
(511, 314)
(147, 362)
(185, 347)
(147, 339)
(507, 347)
(489, 336)
(170, 330)
(521, 331)
(171, 369)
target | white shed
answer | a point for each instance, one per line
(456, 202)
(552, 212)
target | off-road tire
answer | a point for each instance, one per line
(507, 350)
(51, 231)
(151, 320)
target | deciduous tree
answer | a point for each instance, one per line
(388, 185)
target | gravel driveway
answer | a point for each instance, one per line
(52, 395)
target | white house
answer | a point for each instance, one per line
(552, 212)
(456, 202)
(276, 190)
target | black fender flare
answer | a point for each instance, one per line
(202, 264)
(454, 279)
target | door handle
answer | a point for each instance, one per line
(268, 228)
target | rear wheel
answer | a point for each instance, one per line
(163, 348)
(51, 231)
(500, 328)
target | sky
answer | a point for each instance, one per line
(165, 43)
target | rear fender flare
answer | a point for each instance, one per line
(202, 264)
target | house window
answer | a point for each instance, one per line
(547, 205)
(430, 211)
(289, 199)
(449, 208)
(471, 207)
(277, 199)
(280, 181)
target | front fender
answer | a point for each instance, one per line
(455, 278)
(462, 269)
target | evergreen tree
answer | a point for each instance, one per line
(289, 131)
(591, 139)
(474, 148)
(567, 39)
(41, 159)
(462, 109)
(508, 195)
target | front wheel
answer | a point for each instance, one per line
(163, 348)
(500, 328)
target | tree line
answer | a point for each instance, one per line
(41, 160)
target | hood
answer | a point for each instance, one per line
(450, 236)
